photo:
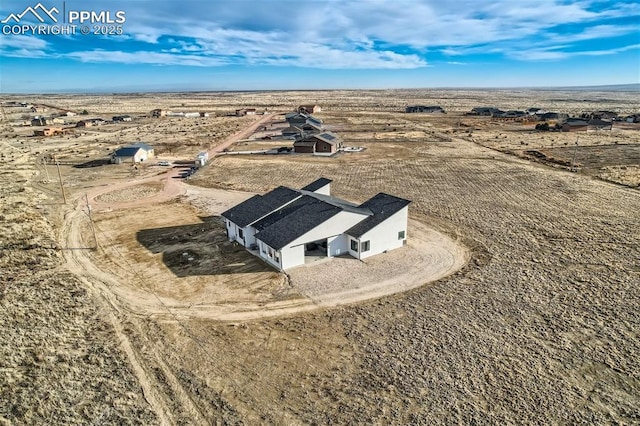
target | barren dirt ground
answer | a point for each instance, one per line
(540, 326)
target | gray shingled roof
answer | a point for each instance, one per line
(129, 151)
(317, 184)
(340, 203)
(383, 206)
(259, 206)
(274, 217)
(311, 213)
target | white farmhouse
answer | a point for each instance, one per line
(286, 226)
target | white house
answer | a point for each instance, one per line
(136, 153)
(286, 226)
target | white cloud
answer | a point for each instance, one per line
(18, 41)
(556, 53)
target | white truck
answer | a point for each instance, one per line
(202, 158)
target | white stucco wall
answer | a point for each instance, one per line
(336, 225)
(141, 155)
(325, 190)
(337, 245)
(231, 229)
(385, 236)
(292, 256)
(249, 233)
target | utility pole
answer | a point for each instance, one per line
(46, 171)
(575, 151)
(93, 229)
(64, 196)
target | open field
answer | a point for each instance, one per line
(540, 326)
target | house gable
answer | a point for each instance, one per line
(382, 206)
(321, 186)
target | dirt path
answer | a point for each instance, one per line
(172, 185)
(429, 256)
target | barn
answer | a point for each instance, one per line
(288, 227)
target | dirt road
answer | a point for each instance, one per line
(172, 185)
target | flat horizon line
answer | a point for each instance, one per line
(629, 87)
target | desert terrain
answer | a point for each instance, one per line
(515, 301)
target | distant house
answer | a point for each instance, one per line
(486, 111)
(245, 111)
(292, 132)
(575, 126)
(135, 153)
(326, 143)
(174, 114)
(597, 124)
(40, 121)
(512, 115)
(121, 118)
(157, 113)
(58, 120)
(38, 108)
(48, 131)
(604, 115)
(424, 109)
(549, 116)
(309, 109)
(90, 122)
(305, 122)
(70, 114)
(286, 227)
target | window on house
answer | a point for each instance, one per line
(240, 233)
(364, 246)
(354, 245)
(401, 235)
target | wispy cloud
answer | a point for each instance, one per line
(557, 53)
(144, 57)
(19, 41)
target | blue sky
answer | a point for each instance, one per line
(321, 44)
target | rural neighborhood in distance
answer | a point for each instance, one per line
(319, 213)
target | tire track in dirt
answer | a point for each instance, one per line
(78, 263)
(101, 284)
